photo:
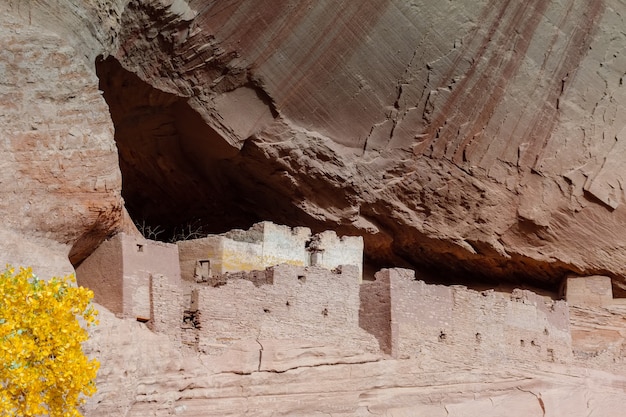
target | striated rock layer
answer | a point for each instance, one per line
(475, 136)
(481, 136)
(60, 182)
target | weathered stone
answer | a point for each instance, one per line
(254, 332)
(60, 181)
(266, 244)
(120, 273)
(438, 322)
(142, 374)
(593, 291)
(424, 141)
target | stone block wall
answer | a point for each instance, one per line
(236, 255)
(329, 250)
(306, 309)
(375, 310)
(140, 259)
(191, 252)
(440, 322)
(166, 305)
(119, 273)
(103, 273)
(601, 342)
(264, 245)
(309, 304)
(284, 245)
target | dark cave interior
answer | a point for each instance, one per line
(180, 178)
(164, 191)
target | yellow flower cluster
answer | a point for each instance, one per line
(43, 369)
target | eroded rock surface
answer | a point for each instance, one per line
(145, 374)
(476, 137)
(60, 181)
(483, 137)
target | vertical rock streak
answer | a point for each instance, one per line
(465, 128)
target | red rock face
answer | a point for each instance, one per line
(472, 139)
(478, 140)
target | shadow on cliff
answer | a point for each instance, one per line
(181, 178)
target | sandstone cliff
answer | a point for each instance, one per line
(482, 137)
(478, 141)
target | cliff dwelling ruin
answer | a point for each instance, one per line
(228, 296)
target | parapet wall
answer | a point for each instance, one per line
(439, 322)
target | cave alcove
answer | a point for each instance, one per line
(181, 179)
(161, 142)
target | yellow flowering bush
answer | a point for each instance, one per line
(43, 369)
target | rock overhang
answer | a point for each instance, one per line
(446, 188)
(455, 166)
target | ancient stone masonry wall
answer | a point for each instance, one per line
(375, 310)
(592, 291)
(103, 273)
(328, 250)
(305, 310)
(597, 320)
(444, 323)
(265, 245)
(166, 306)
(119, 273)
(288, 312)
